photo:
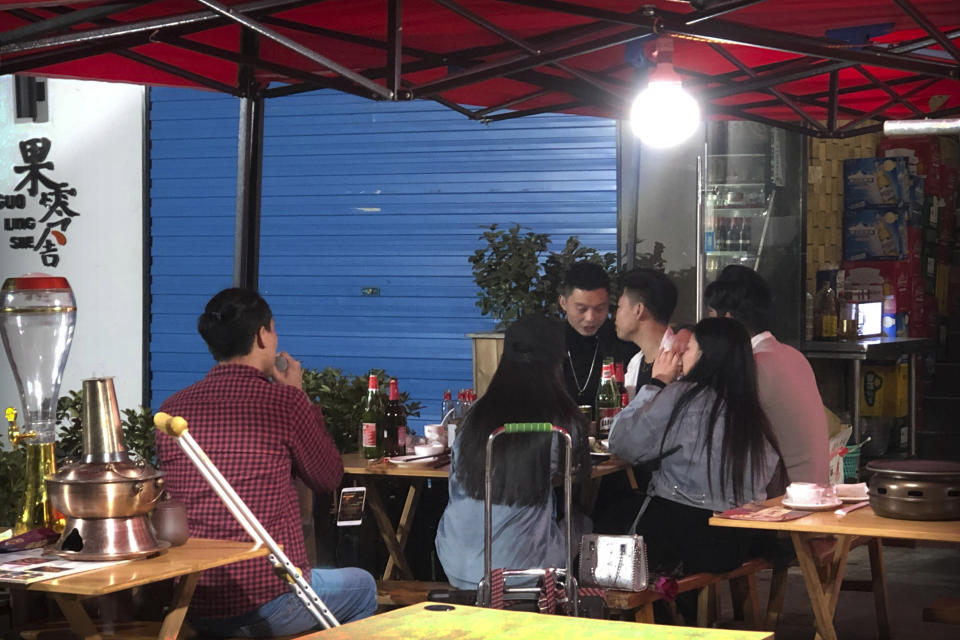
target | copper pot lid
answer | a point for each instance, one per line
(104, 472)
(933, 470)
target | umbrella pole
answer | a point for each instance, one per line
(928, 127)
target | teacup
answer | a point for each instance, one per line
(810, 493)
(169, 519)
(451, 434)
(436, 433)
(430, 449)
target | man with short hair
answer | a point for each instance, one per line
(590, 337)
(261, 431)
(786, 384)
(647, 301)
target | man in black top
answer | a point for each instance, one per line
(585, 299)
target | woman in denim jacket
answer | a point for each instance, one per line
(710, 442)
(527, 387)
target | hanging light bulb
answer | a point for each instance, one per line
(664, 114)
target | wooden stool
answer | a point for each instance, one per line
(743, 591)
(945, 610)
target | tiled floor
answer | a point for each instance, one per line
(916, 576)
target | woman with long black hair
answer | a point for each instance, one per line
(527, 387)
(711, 442)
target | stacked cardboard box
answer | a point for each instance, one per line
(825, 199)
(899, 227)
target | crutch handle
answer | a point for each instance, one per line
(170, 425)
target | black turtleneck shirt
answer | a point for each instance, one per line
(585, 351)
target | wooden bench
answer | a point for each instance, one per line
(402, 593)
(120, 631)
(743, 586)
(743, 590)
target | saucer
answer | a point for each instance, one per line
(812, 507)
(405, 461)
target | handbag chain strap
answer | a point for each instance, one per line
(616, 575)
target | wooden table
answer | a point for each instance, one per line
(824, 589)
(187, 561)
(396, 539)
(473, 623)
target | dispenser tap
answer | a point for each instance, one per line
(13, 431)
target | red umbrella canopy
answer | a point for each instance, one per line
(822, 65)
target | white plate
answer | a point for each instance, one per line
(405, 461)
(812, 507)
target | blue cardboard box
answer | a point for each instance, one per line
(877, 182)
(874, 234)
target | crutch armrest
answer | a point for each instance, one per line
(171, 425)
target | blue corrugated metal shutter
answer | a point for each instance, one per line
(193, 184)
(393, 197)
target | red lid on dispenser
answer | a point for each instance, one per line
(35, 282)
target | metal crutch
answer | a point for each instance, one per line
(177, 427)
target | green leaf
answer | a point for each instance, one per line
(342, 396)
(514, 277)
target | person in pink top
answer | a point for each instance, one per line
(786, 384)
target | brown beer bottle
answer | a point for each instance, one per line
(370, 438)
(394, 423)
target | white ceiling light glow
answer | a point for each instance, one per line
(664, 114)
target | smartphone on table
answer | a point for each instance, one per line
(350, 512)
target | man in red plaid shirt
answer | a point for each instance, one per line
(261, 431)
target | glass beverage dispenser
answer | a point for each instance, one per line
(37, 320)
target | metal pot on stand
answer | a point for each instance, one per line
(107, 498)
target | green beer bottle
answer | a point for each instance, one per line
(608, 401)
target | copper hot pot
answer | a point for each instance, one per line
(105, 490)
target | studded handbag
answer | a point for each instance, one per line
(613, 562)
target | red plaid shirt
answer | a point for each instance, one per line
(260, 435)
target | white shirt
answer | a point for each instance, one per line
(633, 367)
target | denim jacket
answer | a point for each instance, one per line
(524, 537)
(682, 477)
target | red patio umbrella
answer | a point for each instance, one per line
(828, 68)
(812, 64)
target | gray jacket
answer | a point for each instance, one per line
(636, 435)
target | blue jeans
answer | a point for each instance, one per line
(350, 594)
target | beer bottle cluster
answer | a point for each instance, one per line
(383, 425)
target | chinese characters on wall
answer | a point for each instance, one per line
(37, 214)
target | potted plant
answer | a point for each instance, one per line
(12, 484)
(137, 424)
(517, 275)
(341, 396)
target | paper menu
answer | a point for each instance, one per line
(35, 565)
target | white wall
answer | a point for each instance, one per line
(96, 134)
